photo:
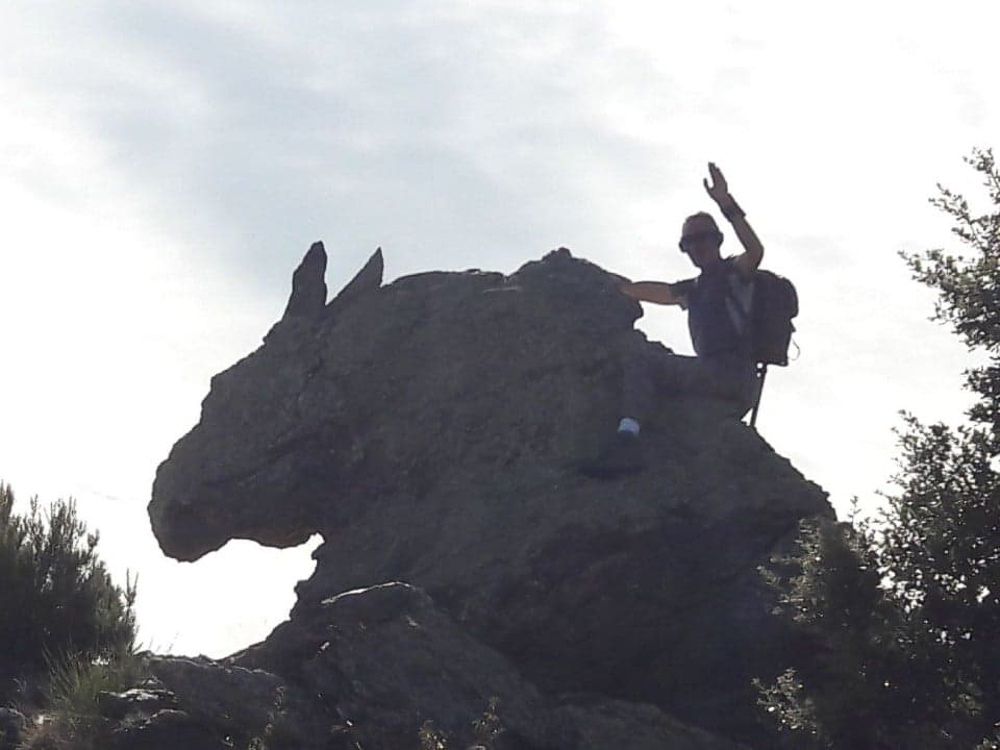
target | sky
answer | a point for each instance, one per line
(165, 165)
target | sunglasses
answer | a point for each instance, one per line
(695, 237)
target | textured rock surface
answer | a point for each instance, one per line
(137, 701)
(430, 429)
(234, 699)
(168, 729)
(369, 670)
(389, 660)
(386, 660)
(308, 285)
(12, 724)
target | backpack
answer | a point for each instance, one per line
(775, 303)
(767, 313)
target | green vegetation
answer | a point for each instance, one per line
(68, 631)
(903, 612)
(71, 720)
(74, 682)
(56, 596)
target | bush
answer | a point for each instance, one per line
(56, 596)
(905, 613)
(877, 675)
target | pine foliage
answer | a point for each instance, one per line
(56, 596)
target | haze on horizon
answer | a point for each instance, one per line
(166, 165)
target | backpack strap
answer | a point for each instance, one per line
(739, 301)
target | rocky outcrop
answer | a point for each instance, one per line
(308, 285)
(12, 723)
(372, 670)
(430, 430)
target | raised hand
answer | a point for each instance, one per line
(718, 190)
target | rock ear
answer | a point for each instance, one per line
(367, 280)
(308, 296)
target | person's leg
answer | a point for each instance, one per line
(639, 386)
(651, 372)
(621, 455)
(731, 379)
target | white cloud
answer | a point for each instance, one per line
(166, 164)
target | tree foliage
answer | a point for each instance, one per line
(56, 596)
(904, 612)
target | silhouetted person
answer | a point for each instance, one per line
(718, 302)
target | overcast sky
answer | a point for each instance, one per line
(164, 166)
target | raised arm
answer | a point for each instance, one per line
(753, 250)
(655, 291)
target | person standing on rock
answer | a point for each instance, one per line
(718, 302)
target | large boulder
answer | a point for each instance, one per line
(12, 723)
(381, 668)
(384, 662)
(431, 430)
(376, 669)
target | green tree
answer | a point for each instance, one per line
(56, 596)
(904, 613)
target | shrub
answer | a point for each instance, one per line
(56, 596)
(905, 613)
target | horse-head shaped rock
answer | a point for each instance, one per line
(346, 399)
(430, 430)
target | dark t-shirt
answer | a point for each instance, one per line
(718, 304)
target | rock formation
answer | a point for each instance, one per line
(430, 431)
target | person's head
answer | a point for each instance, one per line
(701, 240)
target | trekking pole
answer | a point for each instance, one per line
(760, 392)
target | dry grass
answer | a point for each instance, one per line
(71, 720)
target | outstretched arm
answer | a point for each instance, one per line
(753, 250)
(654, 291)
